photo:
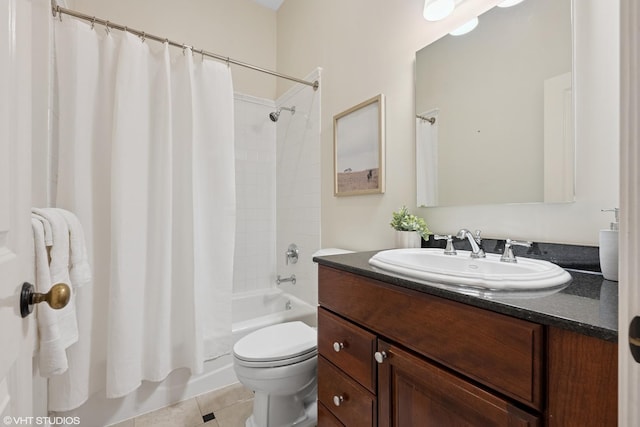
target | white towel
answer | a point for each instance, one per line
(52, 358)
(59, 265)
(71, 389)
(79, 269)
(48, 233)
(58, 328)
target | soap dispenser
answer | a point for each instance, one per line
(609, 248)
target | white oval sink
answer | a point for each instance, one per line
(432, 265)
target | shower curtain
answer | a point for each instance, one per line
(427, 159)
(145, 158)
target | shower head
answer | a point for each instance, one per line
(276, 114)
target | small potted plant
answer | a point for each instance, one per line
(409, 229)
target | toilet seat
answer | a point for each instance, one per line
(276, 363)
(277, 345)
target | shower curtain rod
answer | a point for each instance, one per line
(59, 11)
(431, 120)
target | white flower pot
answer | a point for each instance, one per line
(408, 239)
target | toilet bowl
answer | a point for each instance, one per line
(279, 364)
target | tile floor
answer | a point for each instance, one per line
(227, 407)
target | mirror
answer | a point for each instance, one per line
(494, 110)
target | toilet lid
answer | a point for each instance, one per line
(277, 342)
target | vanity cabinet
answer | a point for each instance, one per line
(444, 363)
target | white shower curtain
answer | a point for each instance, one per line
(146, 161)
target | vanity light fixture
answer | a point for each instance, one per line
(435, 10)
(509, 3)
(465, 28)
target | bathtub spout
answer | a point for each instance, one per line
(291, 279)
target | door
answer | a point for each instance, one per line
(414, 392)
(629, 292)
(16, 334)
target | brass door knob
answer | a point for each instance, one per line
(57, 297)
(634, 338)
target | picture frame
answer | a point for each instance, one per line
(358, 149)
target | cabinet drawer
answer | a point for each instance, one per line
(348, 347)
(355, 405)
(496, 350)
(326, 418)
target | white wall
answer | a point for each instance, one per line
(366, 47)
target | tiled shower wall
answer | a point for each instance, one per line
(298, 187)
(278, 190)
(255, 147)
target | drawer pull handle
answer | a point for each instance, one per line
(380, 356)
(337, 400)
(337, 346)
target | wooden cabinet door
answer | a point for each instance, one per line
(414, 392)
(582, 380)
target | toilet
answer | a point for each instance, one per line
(279, 363)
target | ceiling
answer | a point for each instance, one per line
(271, 4)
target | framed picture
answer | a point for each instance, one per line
(358, 149)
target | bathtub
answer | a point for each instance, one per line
(251, 311)
(254, 310)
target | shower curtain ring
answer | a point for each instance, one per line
(183, 48)
(93, 22)
(143, 37)
(107, 28)
(202, 54)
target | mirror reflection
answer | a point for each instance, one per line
(494, 112)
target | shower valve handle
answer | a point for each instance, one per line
(292, 254)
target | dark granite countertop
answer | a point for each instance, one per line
(588, 305)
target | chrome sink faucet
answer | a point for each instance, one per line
(449, 250)
(475, 241)
(507, 255)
